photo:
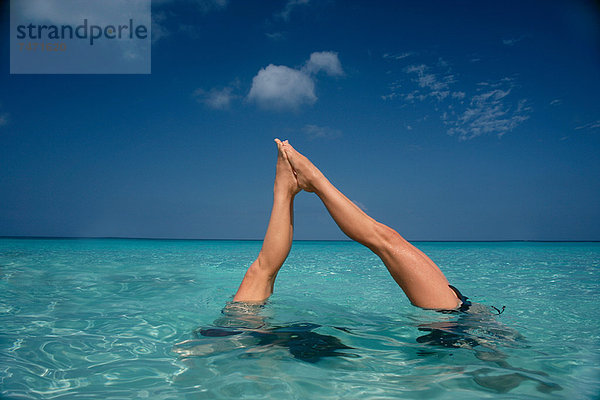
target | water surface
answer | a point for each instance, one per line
(110, 318)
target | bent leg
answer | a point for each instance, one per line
(419, 277)
(259, 280)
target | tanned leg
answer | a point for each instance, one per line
(259, 280)
(419, 277)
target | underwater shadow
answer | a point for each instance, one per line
(478, 330)
(244, 327)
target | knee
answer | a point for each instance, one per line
(262, 269)
(385, 237)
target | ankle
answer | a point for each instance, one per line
(281, 194)
(319, 182)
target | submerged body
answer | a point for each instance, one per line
(246, 330)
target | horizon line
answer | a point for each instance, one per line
(295, 240)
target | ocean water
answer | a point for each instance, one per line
(126, 319)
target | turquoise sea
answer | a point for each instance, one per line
(126, 319)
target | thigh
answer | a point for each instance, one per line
(419, 277)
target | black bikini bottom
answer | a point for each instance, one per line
(465, 303)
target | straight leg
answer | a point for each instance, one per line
(259, 279)
(419, 277)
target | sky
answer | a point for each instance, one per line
(463, 120)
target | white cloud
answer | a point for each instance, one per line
(3, 119)
(281, 87)
(487, 113)
(275, 36)
(590, 125)
(556, 102)
(429, 80)
(398, 56)
(321, 132)
(491, 109)
(431, 84)
(219, 99)
(513, 41)
(289, 7)
(326, 61)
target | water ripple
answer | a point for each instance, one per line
(117, 319)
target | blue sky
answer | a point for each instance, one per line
(467, 120)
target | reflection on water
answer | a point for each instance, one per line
(246, 327)
(479, 330)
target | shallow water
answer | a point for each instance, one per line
(148, 319)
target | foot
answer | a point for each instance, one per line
(285, 179)
(306, 173)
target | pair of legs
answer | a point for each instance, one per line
(420, 278)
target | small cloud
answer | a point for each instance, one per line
(431, 84)
(488, 113)
(399, 56)
(3, 119)
(491, 109)
(556, 102)
(281, 87)
(326, 61)
(219, 99)
(390, 96)
(513, 41)
(590, 125)
(275, 36)
(419, 69)
(429, 80)
(321, 132)
(289, 7)
(501, 83)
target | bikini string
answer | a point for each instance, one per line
(498, 311)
